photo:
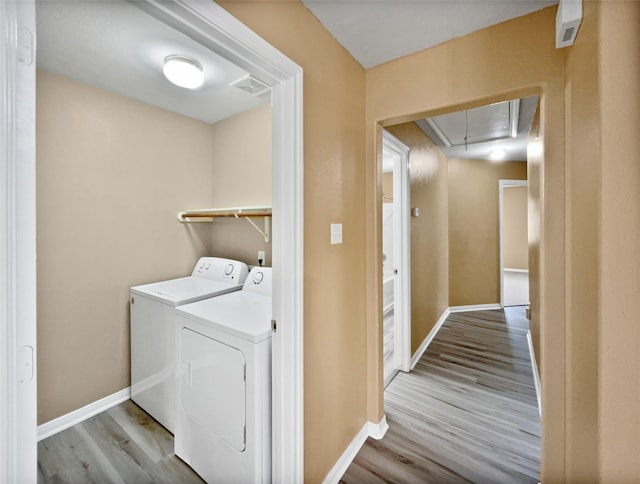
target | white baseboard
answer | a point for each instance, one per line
(70, 419)
(536, 375)
(377, 431)
(427, 341)
(474, 307)
(369, 429)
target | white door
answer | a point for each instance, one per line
(208, 369)
(18, 455)
(514, 262)
(396, 272)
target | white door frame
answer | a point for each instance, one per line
(401, 250)
(502, 184)
(216, 29)
(18, 401)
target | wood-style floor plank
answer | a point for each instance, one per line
(121, 445)
(466, 413)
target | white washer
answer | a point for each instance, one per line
(223, 426)
(153, 330)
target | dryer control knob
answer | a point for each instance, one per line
(257, 277)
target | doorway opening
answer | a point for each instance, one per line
(457, 161)
(514, 248)
(214, 29)
(396, 257)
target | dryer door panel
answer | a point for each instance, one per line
(212, 386)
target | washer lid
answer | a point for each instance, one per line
(184, 290)
(242, 314)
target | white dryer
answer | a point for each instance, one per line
(223, 426)
(153, 344)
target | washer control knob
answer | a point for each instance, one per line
(228, 269)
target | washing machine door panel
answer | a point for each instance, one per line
(212, 386)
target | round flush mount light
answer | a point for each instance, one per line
(183, 71)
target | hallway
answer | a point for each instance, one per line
(467, 412)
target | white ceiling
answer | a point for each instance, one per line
(117, 47)
(377, 31)
(113, 45)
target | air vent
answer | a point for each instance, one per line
(251, 85)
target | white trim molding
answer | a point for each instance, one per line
(18, 365)
(427, 341)
(369, 429)
(393, 147)
(70, 419)
(474, 307)
(216, 29)
(536, 374)
(377, 430)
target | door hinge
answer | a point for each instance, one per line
(274, 325)
(25, 362)
(25, 46)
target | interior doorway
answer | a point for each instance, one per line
(217, 30)
(396, 256)
(514, 259)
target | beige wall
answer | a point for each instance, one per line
(474, 235)
(513, 59)
(602, 119)
(334, 275)
(583, 199)
(111, 177)
(242, 159)
(619, 243)
(241, 151)
(112, 174)
(429, 231)
(515, 237)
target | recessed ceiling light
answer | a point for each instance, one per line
(183, 71)
(497, 154)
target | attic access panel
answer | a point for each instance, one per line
(486, 123)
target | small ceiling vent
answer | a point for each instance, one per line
(251, 85)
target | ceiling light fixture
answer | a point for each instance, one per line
(183, 71)
(497, 154)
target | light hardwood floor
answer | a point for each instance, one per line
(467, 413)
(120, 445)
(388, 342)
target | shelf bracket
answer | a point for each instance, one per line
(267, 227)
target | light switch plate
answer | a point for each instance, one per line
(336, 233)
